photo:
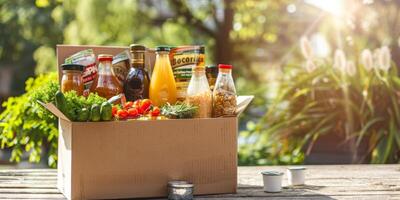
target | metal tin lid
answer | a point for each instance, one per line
(297, 168)
(177, 182)
(185, 185)
(76, 67)
(180, 184)
(272, 173)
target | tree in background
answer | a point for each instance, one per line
(254, 36)
(31, 30)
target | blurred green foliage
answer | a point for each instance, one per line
(42, 24)
(359, 101)
(27, 126)
(257, 37)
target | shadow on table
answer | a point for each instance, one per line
(288, 192)
(256, 192)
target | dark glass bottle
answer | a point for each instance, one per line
(137, 82)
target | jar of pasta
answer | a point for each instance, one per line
(72, 78)
(199, 93)
(224, 94)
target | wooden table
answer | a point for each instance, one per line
(323, 182)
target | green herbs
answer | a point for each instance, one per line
(179, 111)
(76, 107)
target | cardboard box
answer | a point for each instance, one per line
(136, 159)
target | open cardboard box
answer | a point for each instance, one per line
(136, 159)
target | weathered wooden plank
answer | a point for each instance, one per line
(28, 177)
(44, 174)
(28, 185)
(323, 182)
(321, 197)
(32, 196)
(29, 191)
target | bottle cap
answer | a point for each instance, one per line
(105, 57)
(202, 49)
(224, 66)
(137, 47)
(76, 67)
(163, 48)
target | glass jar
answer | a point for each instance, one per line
(199, 93)
(224, 94)
(106, 84)
(162, 85)
(72, 78)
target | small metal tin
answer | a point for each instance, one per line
(180, 190)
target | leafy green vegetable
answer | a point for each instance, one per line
(76, 103)
(179, 111)
(27, 126)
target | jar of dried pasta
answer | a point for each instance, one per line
(224, 94)
(199, 93)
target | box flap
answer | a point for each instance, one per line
(53, 109)
(242, 103)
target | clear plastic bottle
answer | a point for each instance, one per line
(224, 94)
(199, 93)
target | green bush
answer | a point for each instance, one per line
(26, 126)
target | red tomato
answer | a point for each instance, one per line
(128, 105)
(140, 110)
(114, 111)
(145, 105)
(155, 112)
(133, 112)
(122, 114)
(136, 103)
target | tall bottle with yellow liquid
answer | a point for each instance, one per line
(162, 85)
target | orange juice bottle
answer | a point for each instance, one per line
(162, 84)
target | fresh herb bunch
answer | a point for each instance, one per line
(179, 110)
(75, 103)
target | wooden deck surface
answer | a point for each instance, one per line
(322, 182)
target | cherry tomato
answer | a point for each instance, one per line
(122, 114)
(145, 105)
(140, 110)
(128, 105)
(133, 112)
(155, 112)
(114, 111)
(137, 103)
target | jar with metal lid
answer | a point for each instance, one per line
(72, 78)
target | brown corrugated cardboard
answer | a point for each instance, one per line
(136, 159)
